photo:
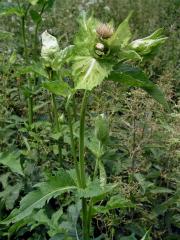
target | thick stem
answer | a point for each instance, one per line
(82, 164)
(55, 113)
(94, 176)
(81, 140)
(73, 147)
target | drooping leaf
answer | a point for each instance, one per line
(36, 199)
(89, 72)
(60, 88)
(12, 160)
(132, 76)
(122, 35)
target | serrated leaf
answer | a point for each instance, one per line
(36, 199)
(89, 72)
(134, 77)
(122, 35)
(58, 87)
(12, 160)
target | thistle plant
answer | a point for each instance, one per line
(100, 53)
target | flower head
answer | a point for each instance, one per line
(104, 31)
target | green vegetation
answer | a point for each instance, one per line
(89, 120)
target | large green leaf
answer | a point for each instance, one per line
(58, 87)
(89, 72)
(134, 77)
(36, 199)
(12, 160)
(122, 35)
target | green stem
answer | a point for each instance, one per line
(55, 112)
(36, 30)
(23, 29)
(94, 176)
(81, 140)
(82, 164)
(73, 147)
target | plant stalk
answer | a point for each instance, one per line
(82, 164)
(55, 113)
(73, 147)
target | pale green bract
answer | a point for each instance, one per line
(146, 45)
(49, 46)
(89, 72)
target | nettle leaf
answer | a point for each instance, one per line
(89, 72)
(55, 186)
(12, 160)
(122, 35)
(134, 77)
(58, 87)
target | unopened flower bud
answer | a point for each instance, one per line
(105, 31)
(102, 128)
(100, 47)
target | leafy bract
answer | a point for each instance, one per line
(134, 77)
(86, 37)
(89, 72)
(36, 199)
(122, 35)
(12, 160)
(58, 87)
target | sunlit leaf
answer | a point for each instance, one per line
(89, 72)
